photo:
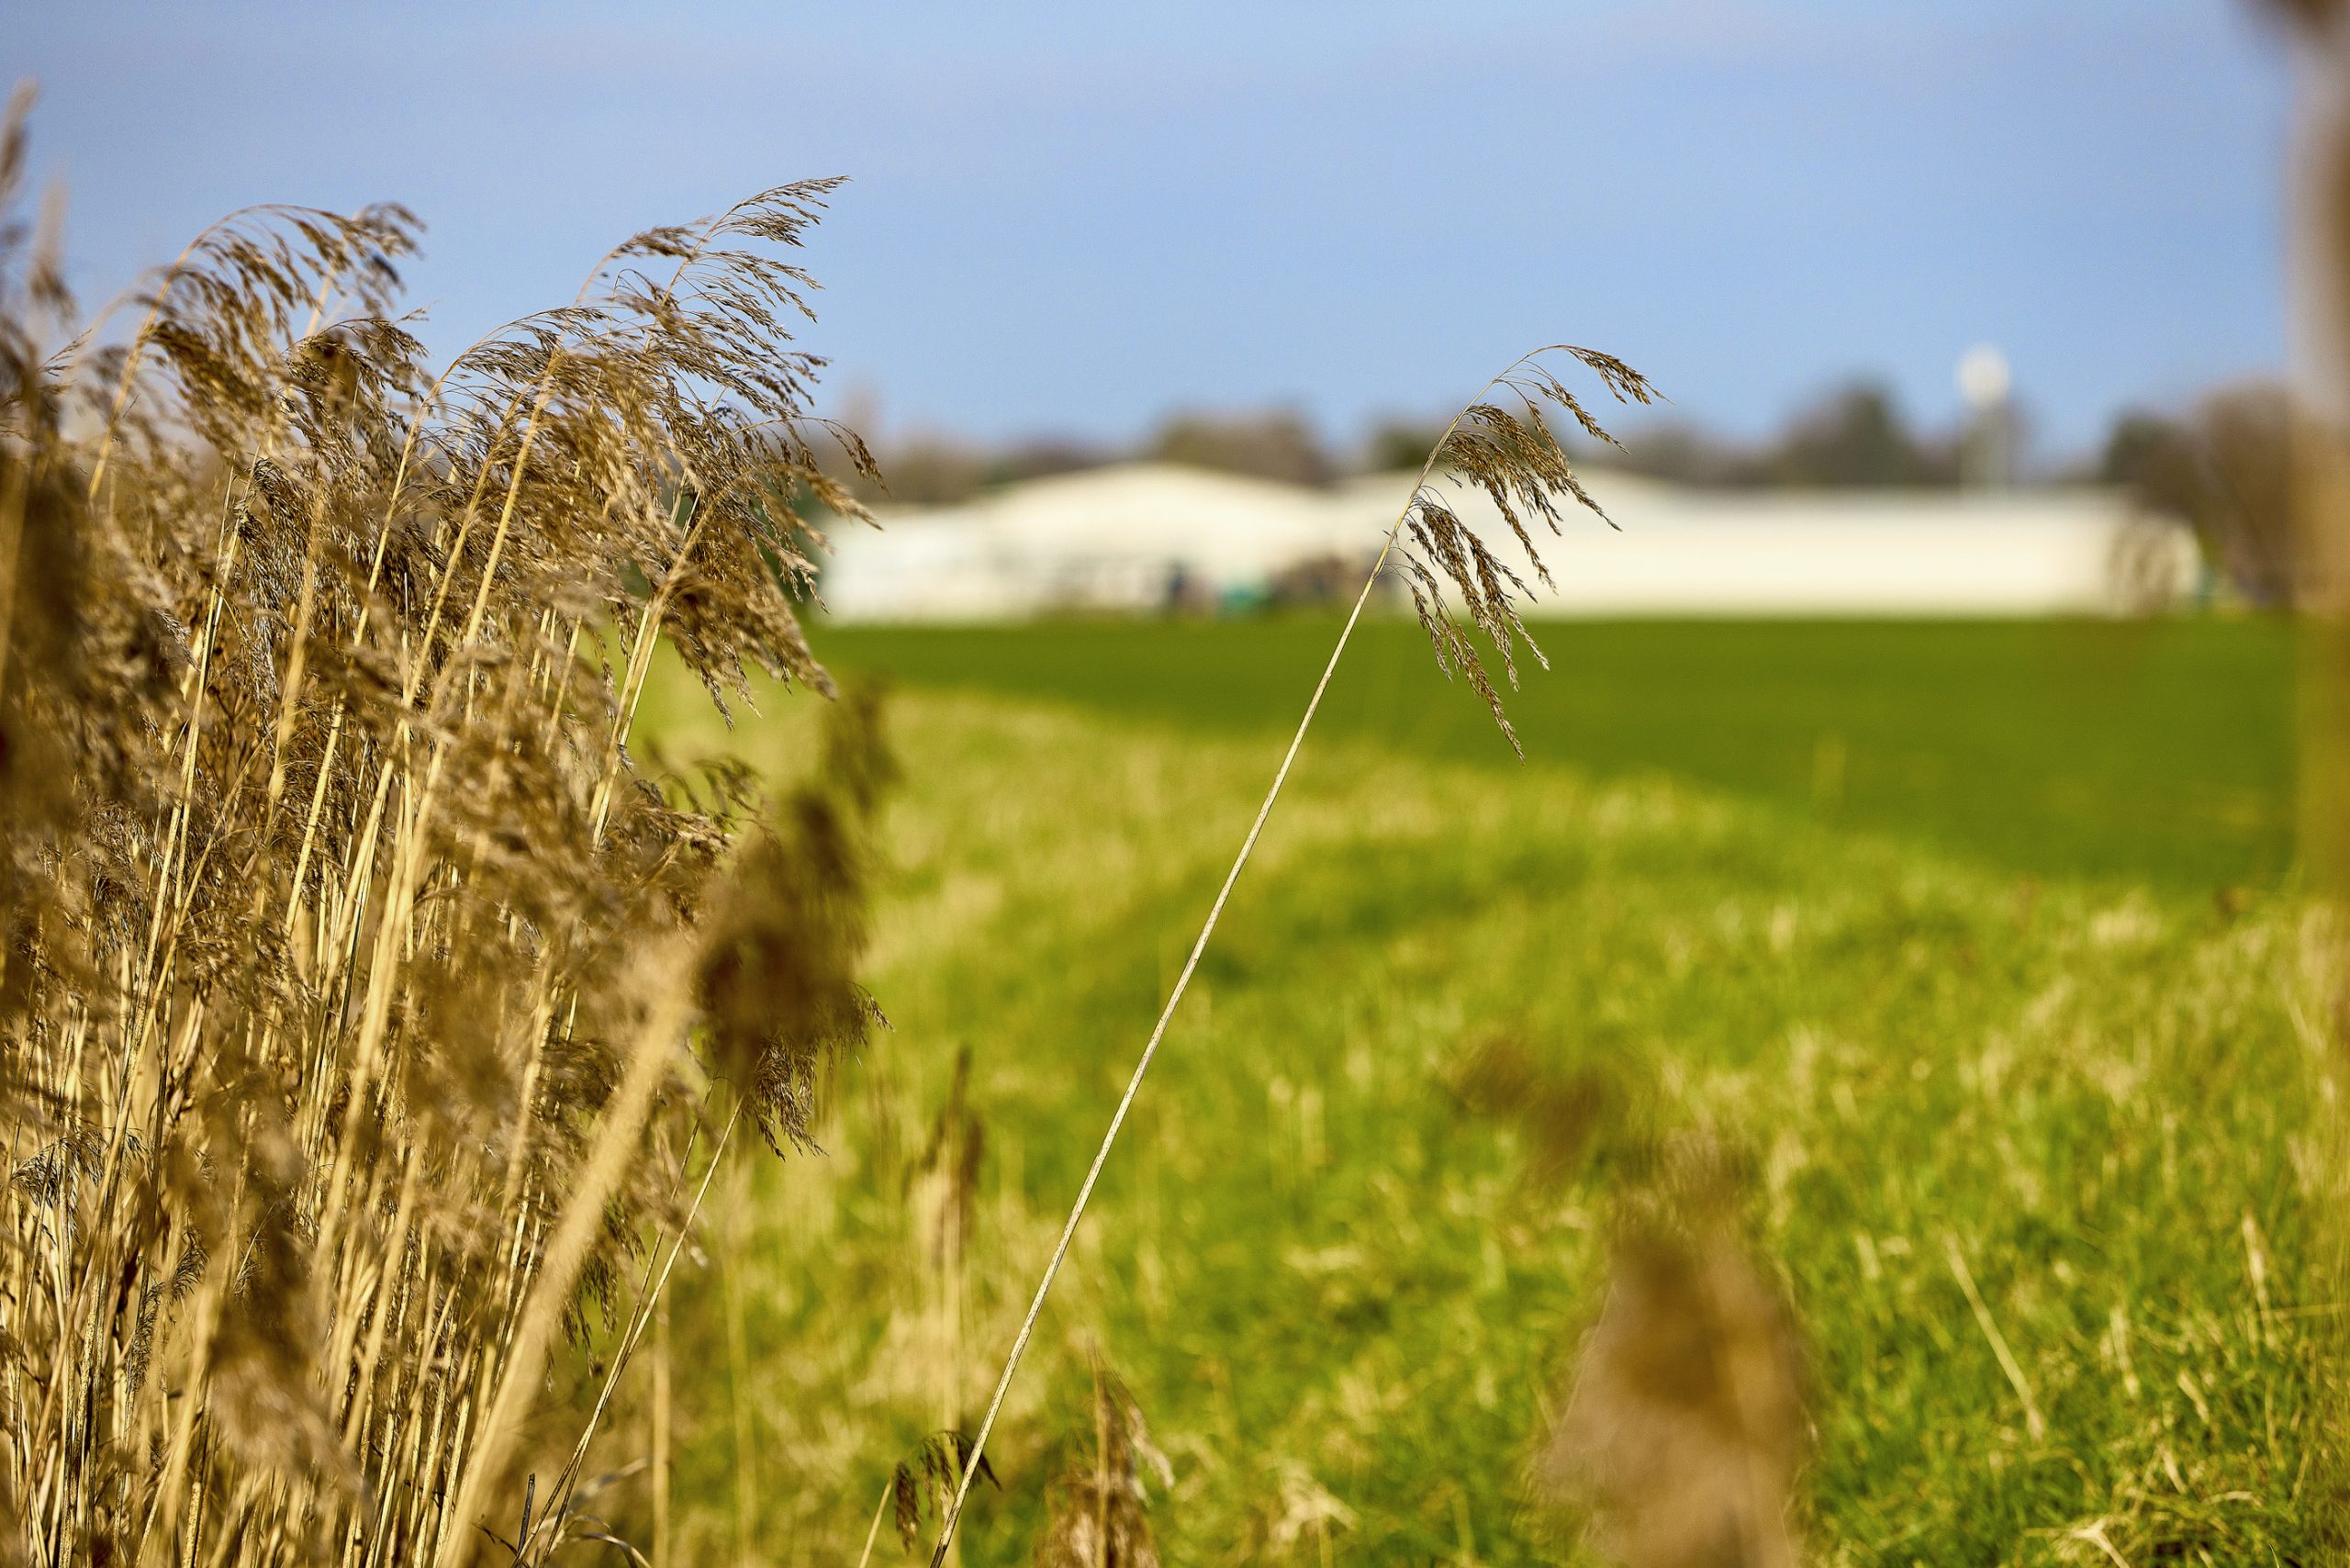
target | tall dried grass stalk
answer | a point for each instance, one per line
(360, 998)
(1506, 448)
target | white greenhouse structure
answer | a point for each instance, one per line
(1141, 538)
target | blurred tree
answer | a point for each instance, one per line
(936, 471)
(2225, 469)
(1399, 444)
(1275, 445)
(930, 470)
(1857, 437)
(1045, 456)
(1683, 454)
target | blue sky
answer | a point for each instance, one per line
(1069, 218)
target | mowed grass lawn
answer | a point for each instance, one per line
(1974, 940)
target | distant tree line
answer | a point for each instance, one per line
(1281, 443)
(1857, 436)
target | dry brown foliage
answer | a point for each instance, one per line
(1098, 1505)
(1561, 1119)
(2311, 14)
(359, 995)
(1685, 1426)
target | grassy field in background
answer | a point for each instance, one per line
(1977, 996)
(2145, 749)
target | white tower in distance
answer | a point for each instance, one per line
(1987, 457)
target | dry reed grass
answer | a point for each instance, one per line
(349, 966)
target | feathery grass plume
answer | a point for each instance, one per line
(1518, 464)
(1684, 1427)
(1097, 1506)
(922, 1483)
(349, 964)
(1511, 454)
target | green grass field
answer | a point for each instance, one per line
(2153, 750)
(1921, 919)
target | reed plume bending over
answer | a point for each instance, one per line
(1510, 453)
(347, 960)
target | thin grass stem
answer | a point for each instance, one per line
(1405, 518)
